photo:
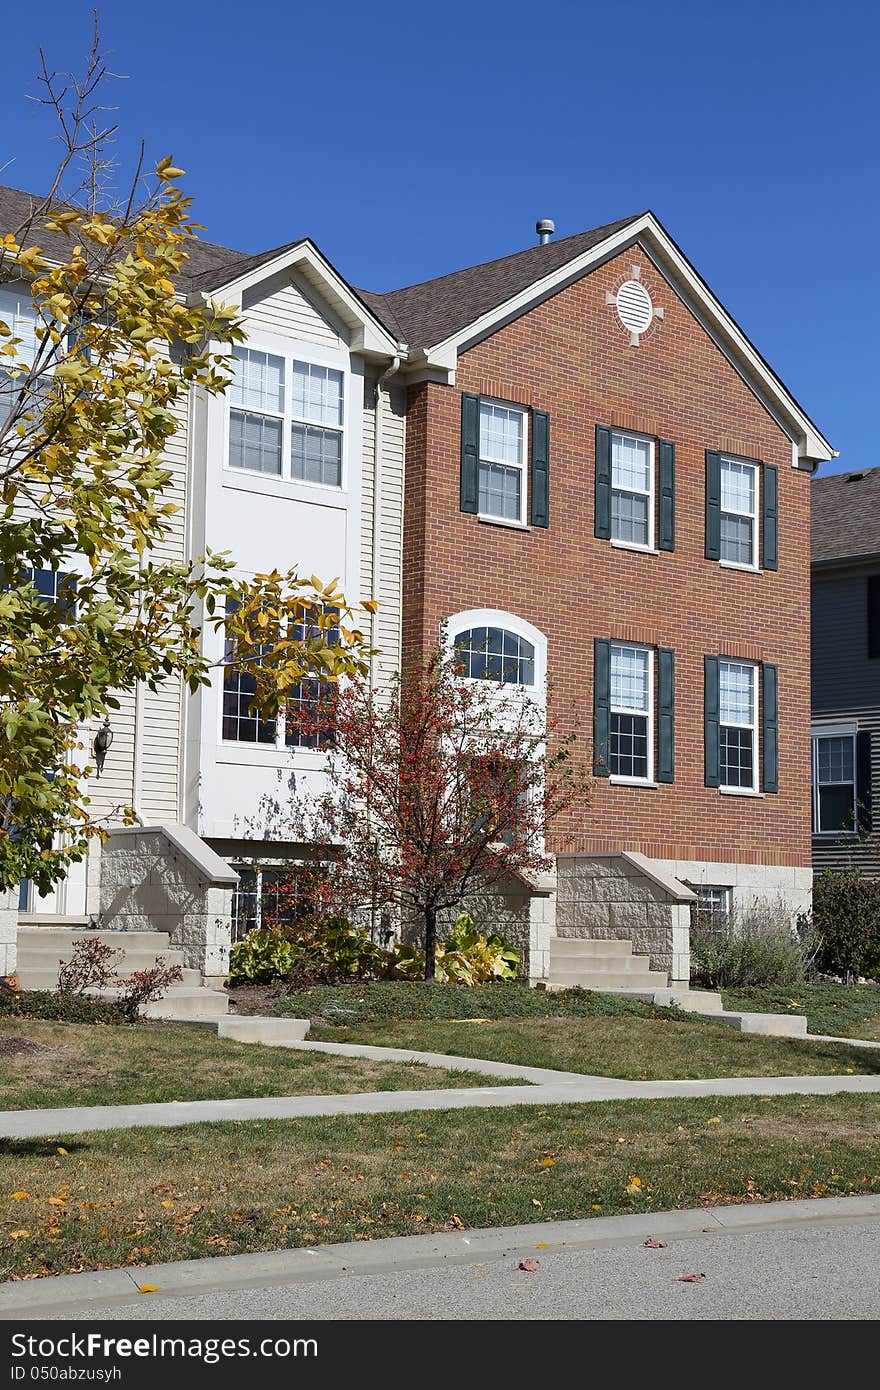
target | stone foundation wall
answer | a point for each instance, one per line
(524, 913)
(164, 878)
(619, 897)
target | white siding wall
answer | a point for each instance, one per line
(288, 308)
(387, 625)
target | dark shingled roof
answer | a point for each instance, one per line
(846, 515)
(426, 314)
(208, 267)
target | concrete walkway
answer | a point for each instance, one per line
(596, 1268)
(34, 1124)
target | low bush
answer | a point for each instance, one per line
(59, 1008)
(307, 953)
(465, 957)
(145, 986)
(846, 918)
(750, 946)
(376, 1001)
(90, 967)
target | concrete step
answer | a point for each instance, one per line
(697, 1001)
(771, 1025)
(601, 965)
(61, 937)
(645, 981)
(186, 1003)
(42, 973)
(587, 946)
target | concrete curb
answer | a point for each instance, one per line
(78, 1292)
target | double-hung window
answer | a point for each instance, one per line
(242, 721)
(739, 513)
(502, 474)
(738, 726)
(632, 489)
(286, 418)
(834, 784)
(306, 721)
(631, 731)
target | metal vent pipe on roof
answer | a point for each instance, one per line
(545, 229)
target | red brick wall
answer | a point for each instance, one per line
(569, 356)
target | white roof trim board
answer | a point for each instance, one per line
(812, 447)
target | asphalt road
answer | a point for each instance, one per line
(810, 1271)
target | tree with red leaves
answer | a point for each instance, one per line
(438, 790)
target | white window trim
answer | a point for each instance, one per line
(833, 731)
(245, 751)
(615, 777)
(753, 790)
(650, 493)
(520, 522)
(494, 617)
(291, 350)
(752, 516)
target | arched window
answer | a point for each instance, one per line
(495, 654)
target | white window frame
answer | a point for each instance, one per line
(291, 353)
(834, 731)
(650, 492)
(279, 745)
(751, 516)
(616, 777)
(725, 893)
(454, 626)
(522, 465)
(751, 790)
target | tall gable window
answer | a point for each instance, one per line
(739, 513)
(632, 489)
(834, 784)
(631, 742)
(738, 725)
(283, 409)
(502, 477)
(493, 654)
(306, 721)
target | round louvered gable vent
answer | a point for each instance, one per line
(634, 307)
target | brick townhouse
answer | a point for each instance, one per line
(574, 463)
(606, 483)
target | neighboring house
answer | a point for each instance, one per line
(607, 488)
(846, 671)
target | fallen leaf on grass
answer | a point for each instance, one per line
(20, 1195)
(528, 1265)
(714, 1120)
(62, 1152)
(18, 1235)
(652, 1244)
(690, 1278)
(546, 1162)
(57, 1201)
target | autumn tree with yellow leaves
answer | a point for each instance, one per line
(92, 370)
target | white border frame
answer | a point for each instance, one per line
(616, 778)
(833, 731)
(754, 516)
(754, 789)
(651, 495)
(524, 412)
(496, 617)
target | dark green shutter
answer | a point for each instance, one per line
(601, 707)
(665, 715)
(873, 615)
(771, 517)
(540, 479)
(603, 483)
(666, 487)
(711, 720)
(770, 728)
(863, 780)
(470, 452)
(713, 505)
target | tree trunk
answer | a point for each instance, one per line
(430, 943)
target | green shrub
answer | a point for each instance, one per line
(403, 999)
(59, 1008)
(752, 946)
(333, 950)
(465, 957)
(846, 919)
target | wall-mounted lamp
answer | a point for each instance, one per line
(100, 746)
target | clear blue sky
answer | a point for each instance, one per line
(408, 141)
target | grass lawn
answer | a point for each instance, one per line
(142, 1196)
(845, 1011)
(87, 1064)
(633, 1047)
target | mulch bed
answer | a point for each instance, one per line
(12, 1047)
